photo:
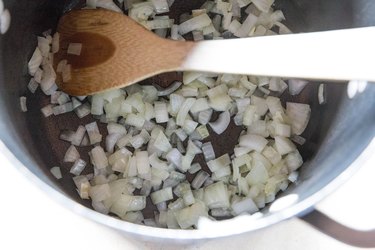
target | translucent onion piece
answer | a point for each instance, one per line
(107, 4)
(244, 206)
(216, 196)
(172, 88)
(184, 110)
(322, 94)
(162, 142)
(55, 43)
(23, 104)
(199, 179)
(205, 116)
(47, 110)
(194, 23)
(284, 145)
(263, 5)
(246, 26)
(189, 216)
(56, 172)
(299, 115)
(208, 151)
(32, 85)
(221, 124)
(4, 21)
(99, 158)
(253, 142)
(296, 86)
(71, 154)
(143, 163)
(161, 113)
(35, 61)
(93, 132)
(162, 195)
(78, 167)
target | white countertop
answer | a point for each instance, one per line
(29, 219)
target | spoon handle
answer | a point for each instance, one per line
(333, 55)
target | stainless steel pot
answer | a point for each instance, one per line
(339, 130)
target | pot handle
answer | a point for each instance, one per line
(348, 214)
(340, 232)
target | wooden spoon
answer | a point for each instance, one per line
(117, 52)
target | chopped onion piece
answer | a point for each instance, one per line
(194, 23)
(184, 110)
(32, 85)
(161, 113)
(143, 163)
(83, 110)
(56, 172)
(253, 142)
(293, 176)
(189, 216)
(162, 195)
(35, 61)
(106, 4)
(205, 116)
(161, 6)
(245, 206)
(71, 154)
(221, 124)
(127, 203)
(4, 21)
(263, 5)
(199, 179)
(162, 142)
(284, 145)
(293, 161)
(321, 94)
(299, 115)
(298, 139)
(174, 156)
(246, 26)
(78, 167)
(93, 132)
(195, 167)
(181, 134)
(47, 110)
(216, 195)
(99, 158)
(220, 102)
(208, 151)
(296, 86)
(23, 104)
(135, 120)
(189, 126)
(172, 88)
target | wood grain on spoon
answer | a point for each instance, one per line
(116, 51)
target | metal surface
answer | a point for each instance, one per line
(338, 132)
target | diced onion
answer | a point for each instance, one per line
(4, 21)
(56, 172)
(172, 88)
(296, 86)
(221, 124)
(78, 167)
(71, 154)
(162, 195)
(141, 154)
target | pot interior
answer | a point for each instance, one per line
(33, 139)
